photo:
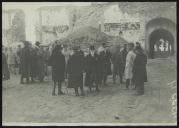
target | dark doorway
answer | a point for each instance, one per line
(161, 44)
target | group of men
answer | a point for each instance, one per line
(92, 69)
(78, 69)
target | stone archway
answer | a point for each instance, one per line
(157, 29)
(161, 44)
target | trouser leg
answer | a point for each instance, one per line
(104, 78)
(76, 91)
(127, 83)
(27, 79)
(60, 88)
(121, 78)
(22, 79)
(114, 78)
(97, 87)
(54, 87)
(140, 88)
(82, 91)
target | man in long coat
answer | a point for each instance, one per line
(57, 61)
(33, 63)
(75, 69)
(123, 54)
(139, 70)
(138, 45)
(40, 62)
(117, 65)
(129, 64)
(5, 70)
(91, 67)
(25, 62)
(105, 60)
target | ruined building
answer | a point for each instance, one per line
(153, 24)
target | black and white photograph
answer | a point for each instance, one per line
(89, 63)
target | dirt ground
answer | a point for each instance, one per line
(34, 103)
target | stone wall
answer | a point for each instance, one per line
(98, 14)
(13, 26)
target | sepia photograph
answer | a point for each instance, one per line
(89, 63)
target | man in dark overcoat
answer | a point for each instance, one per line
(91, 68)
(123, 54)
(33, 64)
(5, 70)
(117, 66)
(40, 69)
(75, 69)
(57, 61)
(25, 62)
(139, 72)
(138, 45)
(105, 60)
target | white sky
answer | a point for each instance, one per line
(29, 9)
(35, 5)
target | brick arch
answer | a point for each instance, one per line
(166, 27)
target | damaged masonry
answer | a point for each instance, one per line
(120, 55)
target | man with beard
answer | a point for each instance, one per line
(75, 69)
(91, 69)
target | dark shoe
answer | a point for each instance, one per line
(77, 94)
(82, 94)
(97, 90)
(114, 82)
(61, 93)
(22, 83)
(90, 89)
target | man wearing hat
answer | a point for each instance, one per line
(129, 64)
(40, 64)
(57, 61)
(75, 69)
(5, 70)
(105, 62)
(25, 62)
(139, 70)
(123, 54)
(91, 69)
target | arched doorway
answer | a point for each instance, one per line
(160, 38)
(161, 44)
